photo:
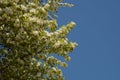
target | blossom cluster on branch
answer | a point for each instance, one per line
(30, 38)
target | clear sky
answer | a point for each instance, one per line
(98, 34)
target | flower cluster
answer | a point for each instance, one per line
(31, 38)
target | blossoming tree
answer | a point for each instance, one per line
(30, 37)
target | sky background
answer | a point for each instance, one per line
(98, 34)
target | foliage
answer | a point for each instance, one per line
(30, 37)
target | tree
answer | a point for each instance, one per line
(30, 38)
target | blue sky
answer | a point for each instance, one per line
(98, 34)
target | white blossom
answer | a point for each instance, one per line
(35, 32)
(38, 63)
(33, 10)
(57, 44)
(23, 7)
